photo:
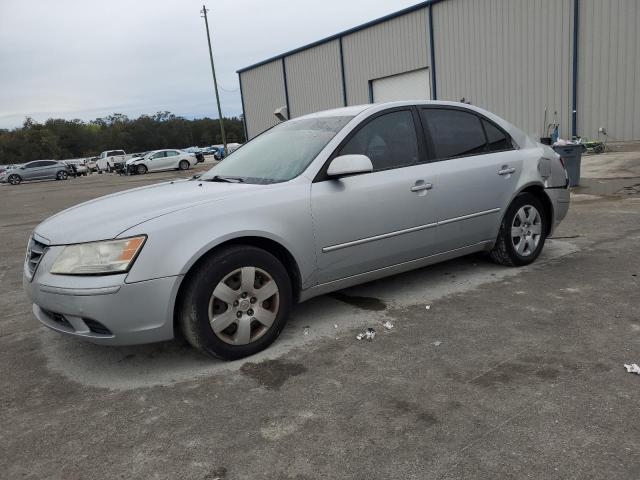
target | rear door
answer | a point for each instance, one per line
(50, 169)
(171, 159)
(379, 219)
(477, 167)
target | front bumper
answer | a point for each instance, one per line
(103, 309)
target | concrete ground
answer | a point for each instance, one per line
(510, 373)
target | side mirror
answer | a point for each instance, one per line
(349, 165)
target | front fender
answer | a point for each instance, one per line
(177, 241)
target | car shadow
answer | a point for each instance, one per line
(334, 316)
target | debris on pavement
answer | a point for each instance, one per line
(632, 368)
(369, 334)
(335, 326)
(437, 343)
(428, 307)
(306, 330)
(388, 325)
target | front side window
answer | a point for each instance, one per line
(454, 133)
(281, 153)
(388, 140)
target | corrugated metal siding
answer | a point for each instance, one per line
(395, 46)
(263, 92)
(314, 79)
(512, 57)
(609, 69)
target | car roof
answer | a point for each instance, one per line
(520, 137)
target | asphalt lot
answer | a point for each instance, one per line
(511, 373)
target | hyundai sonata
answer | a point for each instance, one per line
(312, 205)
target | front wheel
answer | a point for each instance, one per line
(235, 303)
(15, 179)
(184, 165)
(522, 232)
(141, 169)
(62, 175)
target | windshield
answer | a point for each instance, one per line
(281, 153)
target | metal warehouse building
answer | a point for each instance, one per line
(517, 58)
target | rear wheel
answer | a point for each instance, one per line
(14, 179)
(235, 303)
(141, 169)
(184, 165)
(522, 232)
(62, 175)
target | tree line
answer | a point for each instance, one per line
(59, 139)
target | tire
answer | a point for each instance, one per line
(241, 333)
(141, 169)
(109, 169)
(62, 175)
(526, 215)
(184, 165)
(14, 179)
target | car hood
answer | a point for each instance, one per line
(107, 217)
(133, 159)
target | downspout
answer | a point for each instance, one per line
(286, 88)
(574, 106)
(434, 85)
(344, 83)
(244, 114)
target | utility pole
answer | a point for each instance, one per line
(215, 82)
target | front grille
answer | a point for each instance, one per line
(35, 252)
(58, 318)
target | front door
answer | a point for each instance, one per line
(156, 161)
(374, 220)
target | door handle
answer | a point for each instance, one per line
(421, 187)
(506, 170)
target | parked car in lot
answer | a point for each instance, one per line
(91, 164)
(111, 160)
(159, 160)
(36, 170)
(77, 167)
(315, 204)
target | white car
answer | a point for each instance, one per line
(109, 160)
(159, 160)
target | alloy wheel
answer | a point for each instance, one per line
(526, 230)
(243, 306)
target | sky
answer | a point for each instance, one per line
(87, 59)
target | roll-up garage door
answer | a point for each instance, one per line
(414, 85)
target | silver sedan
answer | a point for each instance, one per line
(313, 205)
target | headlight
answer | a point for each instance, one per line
(112, 256)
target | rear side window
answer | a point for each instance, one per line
(497, 140)
(454, 133)
(388, 140)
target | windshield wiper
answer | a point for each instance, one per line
(220, 178)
